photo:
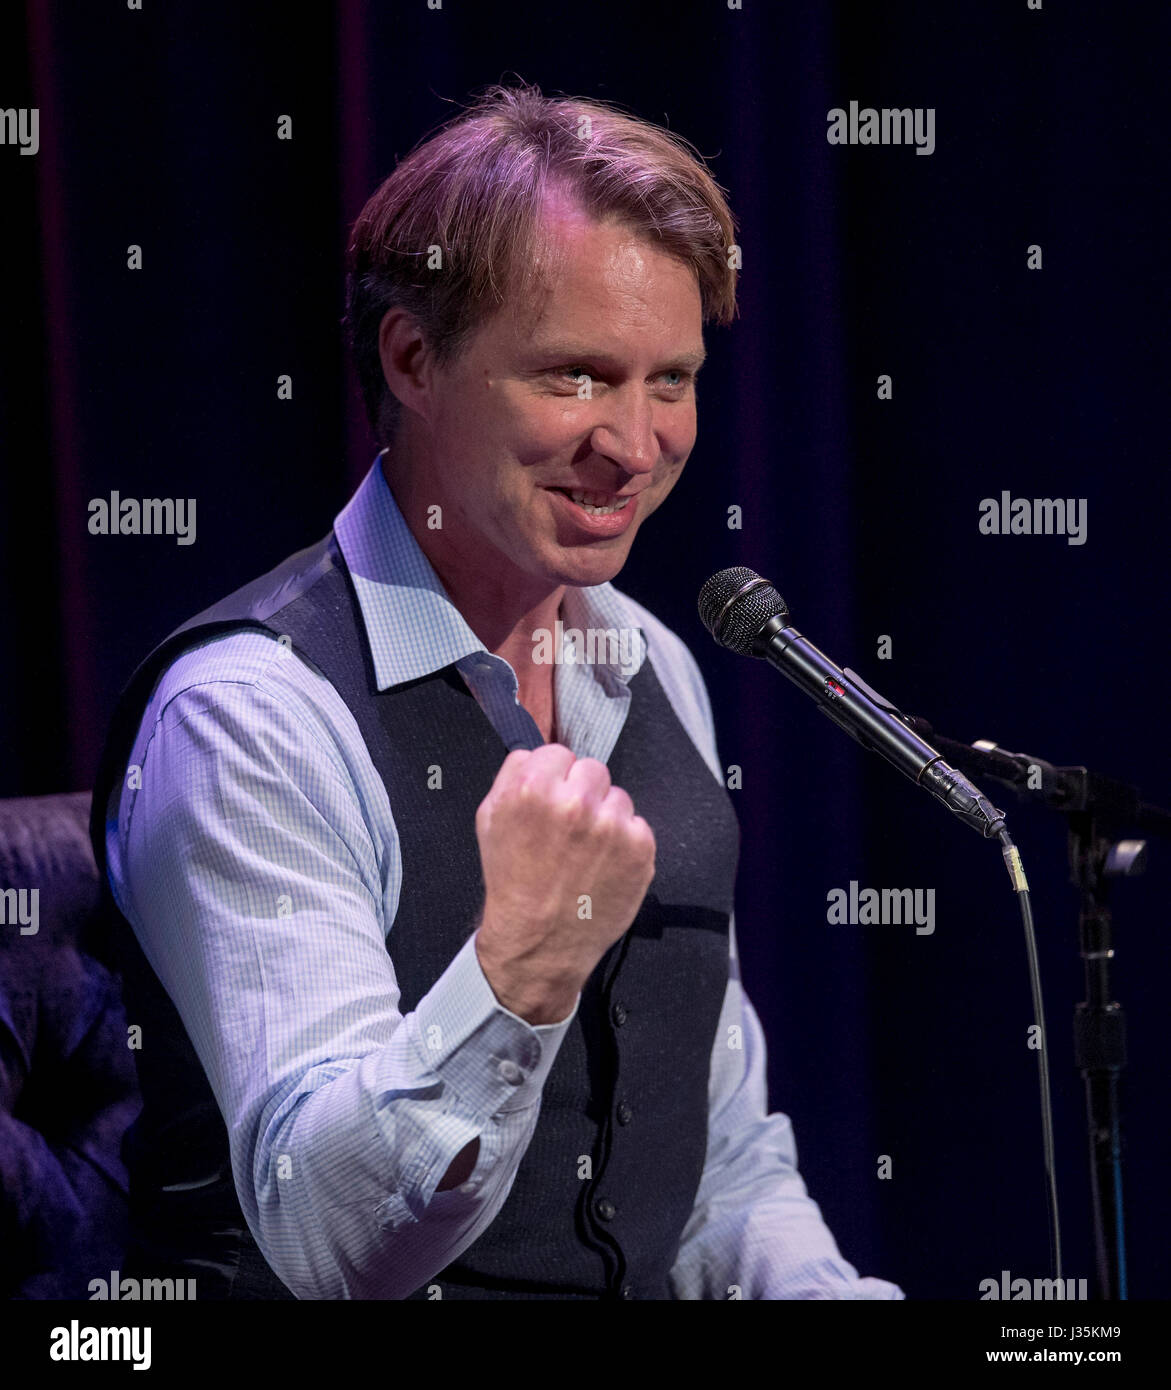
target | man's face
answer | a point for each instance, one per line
(513, 433)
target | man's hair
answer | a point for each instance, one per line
(474, 189)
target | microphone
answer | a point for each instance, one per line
(745, 613)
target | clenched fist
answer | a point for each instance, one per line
(566, 865)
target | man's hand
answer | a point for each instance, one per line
(566, 865)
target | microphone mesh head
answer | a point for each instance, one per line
(735, 604)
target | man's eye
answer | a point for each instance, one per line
(674, 379)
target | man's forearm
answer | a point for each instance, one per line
(461, 1167)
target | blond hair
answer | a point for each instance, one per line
(475, 189)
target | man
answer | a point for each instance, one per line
(446, 923)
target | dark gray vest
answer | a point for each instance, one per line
(629, 1088)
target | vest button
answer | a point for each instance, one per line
(618, 1014)
(625, 1114)
(627, 1291)
(606, 1209)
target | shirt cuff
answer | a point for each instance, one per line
(493, 1059)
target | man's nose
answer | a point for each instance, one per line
(626, 434)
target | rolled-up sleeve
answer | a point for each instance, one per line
(250, 876)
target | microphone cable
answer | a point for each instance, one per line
(1020, 883)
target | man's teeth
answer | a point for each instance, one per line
(582, 501)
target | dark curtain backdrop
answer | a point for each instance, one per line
(158, 129)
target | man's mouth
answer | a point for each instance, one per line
(595, 503)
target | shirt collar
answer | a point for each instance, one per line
(414, 629)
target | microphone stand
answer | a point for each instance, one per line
(1095, 808)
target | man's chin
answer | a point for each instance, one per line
(583, 568)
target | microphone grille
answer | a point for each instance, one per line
(735, 604)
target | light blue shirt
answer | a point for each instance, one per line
(260, 868)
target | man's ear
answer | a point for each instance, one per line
(406, 360)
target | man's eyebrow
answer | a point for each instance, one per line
(574, 352)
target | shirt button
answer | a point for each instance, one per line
(510, 1072)
(606, 1209)
(618, 1014)
(625, 1114)
(627, 1291)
